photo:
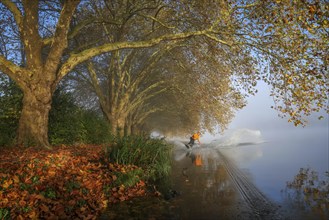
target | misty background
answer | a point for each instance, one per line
(277, 149)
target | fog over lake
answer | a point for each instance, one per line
(269, 148)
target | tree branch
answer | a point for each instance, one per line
(96, 85)
(211, 36)
(16, 12)
(75, 59)
(60, 39)
(151, 62)
(156, 20)
(247, 6)
(15, 72)
(143, 115)
(145, 95)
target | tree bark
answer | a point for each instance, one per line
(117, 122)
(33, 123)
(120, 125)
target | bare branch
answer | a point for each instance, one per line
(156, 20)
(16, 12)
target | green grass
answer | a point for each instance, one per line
(4, 213)
(153, 156)
(128, 179)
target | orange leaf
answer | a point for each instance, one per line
(32, 215)
(20, 217)
(39, 196)
(122, 188)
(140, 192)
(4, 202)
(16, 179)
(44, 208)
(51, 172)
(59, 209)
(7, 183)
(72, 202)
(22, 203)
(105, 202)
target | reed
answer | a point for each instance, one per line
(152, 155)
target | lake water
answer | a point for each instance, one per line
(206, 191)
(272, 158)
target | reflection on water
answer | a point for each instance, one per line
(204, 188)
(206, 191)
(309, 192)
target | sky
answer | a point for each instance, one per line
(258, 115)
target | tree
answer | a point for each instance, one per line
(285, 41)
(125, 80)
(45, 61)
(289, 42)
(38, 76)
(297, 62)
(129, 88)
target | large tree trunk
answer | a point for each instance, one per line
(129, 128)
(117, 123)
(33, 123)
(40, 73)
(120, 126)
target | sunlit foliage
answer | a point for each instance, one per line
(224, 45)
(310, 191)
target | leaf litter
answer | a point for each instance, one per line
(67, 182)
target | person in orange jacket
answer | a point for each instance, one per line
(195, 136)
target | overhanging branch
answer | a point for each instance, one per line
(75, 59)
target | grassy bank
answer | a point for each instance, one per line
(152, 155)
(76, 181)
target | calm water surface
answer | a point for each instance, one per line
(279, 157)
(198, 188)
(205, 191)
